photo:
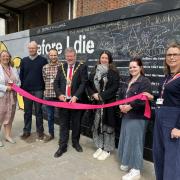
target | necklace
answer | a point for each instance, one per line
(66, 76)
(7, 70)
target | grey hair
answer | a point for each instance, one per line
(69, 50)
(33, 43)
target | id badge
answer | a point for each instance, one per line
(159, 101)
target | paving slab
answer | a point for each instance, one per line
(33, 159)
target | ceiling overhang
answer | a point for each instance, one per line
(8, 7)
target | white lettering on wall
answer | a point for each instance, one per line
(81, 45)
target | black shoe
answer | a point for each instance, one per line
(60, 152)
(25, 135)
(48, 138)
(40, 136)
(77, 147)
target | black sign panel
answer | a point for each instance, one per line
(145, 36)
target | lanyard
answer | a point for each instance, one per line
(167, 81)
(8, 72)
(129, 85)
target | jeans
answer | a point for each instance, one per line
(50, 116)
(28, 107)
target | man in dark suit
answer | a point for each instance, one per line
(69, 86)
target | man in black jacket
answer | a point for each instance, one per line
(69, 86)
(32, 81)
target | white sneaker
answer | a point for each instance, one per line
(124, 168)
(134, 174)
(97, 153)
(104, 155)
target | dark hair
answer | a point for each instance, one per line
(11, 63)
(170, 45)
(108, 54)
(110, 58)
(139, 63)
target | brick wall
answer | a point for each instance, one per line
(88, 7)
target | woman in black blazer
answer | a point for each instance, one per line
(102, 87)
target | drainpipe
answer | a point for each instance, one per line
(74, 8)
(49, 13)
(70, 10)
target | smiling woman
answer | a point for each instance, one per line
(8, 75)
(133, 127)
(172, 62)
(167, 123)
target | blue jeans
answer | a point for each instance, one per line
(28, 107)
(50, 116)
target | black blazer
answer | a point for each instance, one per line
(79, 80)
(111, 87)
(142, 84)
(108, 95)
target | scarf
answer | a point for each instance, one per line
(100, 74)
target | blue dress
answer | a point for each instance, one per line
(166, 151)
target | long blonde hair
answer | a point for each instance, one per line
(11, 63)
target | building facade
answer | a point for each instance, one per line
(47, 12)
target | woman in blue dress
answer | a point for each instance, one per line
(133, 127)
(166, 141)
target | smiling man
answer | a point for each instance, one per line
(69, 86)
(49, 74)
(32, 81)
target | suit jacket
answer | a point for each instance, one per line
(79, 80)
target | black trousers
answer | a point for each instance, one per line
(28, 106)
(67, 116)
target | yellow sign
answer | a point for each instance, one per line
(16, 61)
(2, 46)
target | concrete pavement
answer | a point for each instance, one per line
(33, 160)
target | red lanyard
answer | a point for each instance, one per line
(168, 81)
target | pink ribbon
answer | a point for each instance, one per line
(147, 112)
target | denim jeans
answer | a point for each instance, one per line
(50, 116)
(28, 107)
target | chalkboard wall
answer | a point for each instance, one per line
(145, 36)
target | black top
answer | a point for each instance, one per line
(31, 73)
(142, 84)
(171, 93)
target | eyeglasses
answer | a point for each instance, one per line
(174, 55)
